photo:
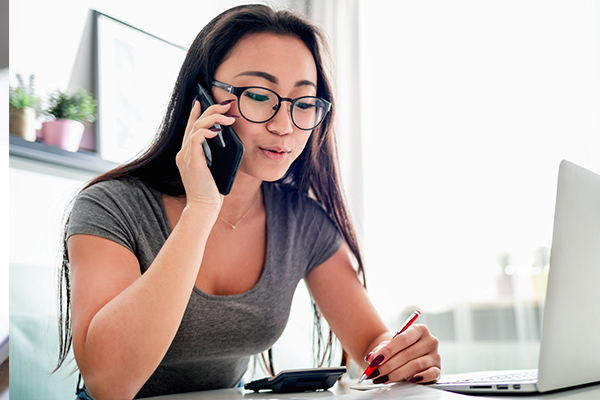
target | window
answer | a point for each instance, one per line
(468, 108)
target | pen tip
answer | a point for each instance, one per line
(362, 378)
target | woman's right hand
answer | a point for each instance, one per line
(200, 187)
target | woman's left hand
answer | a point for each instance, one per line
(412, 356)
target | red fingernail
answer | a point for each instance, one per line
(368, 355)
(231, 116)
(215, 129)
(227, 102)
(415, 379)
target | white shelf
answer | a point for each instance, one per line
(39, 151)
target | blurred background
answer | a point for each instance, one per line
(4, 322)
(452, 120)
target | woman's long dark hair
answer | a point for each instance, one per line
(315, 172)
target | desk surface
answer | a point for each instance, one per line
(403, 390)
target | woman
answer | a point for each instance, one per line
(174, 286)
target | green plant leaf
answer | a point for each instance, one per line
(79, 106)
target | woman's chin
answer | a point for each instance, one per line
(273, 177)
(270, 175)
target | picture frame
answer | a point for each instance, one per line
(134, 75)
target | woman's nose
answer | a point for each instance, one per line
(281, 124)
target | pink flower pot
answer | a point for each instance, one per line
(63, 133)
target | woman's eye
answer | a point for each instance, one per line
(256, 96)
(304, 105)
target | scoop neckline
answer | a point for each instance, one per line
(266, 266)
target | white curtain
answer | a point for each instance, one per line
(340, 20)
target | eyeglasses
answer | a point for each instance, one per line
(258, 104)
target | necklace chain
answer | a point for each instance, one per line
(243, 216)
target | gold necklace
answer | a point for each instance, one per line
(243, 216)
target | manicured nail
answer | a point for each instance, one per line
(194, 101)
(368, 355)
(231, 116)
(215, 129)
(382, 379)
(227, 102)
(377, 360)
(415, 379)
(374, 374)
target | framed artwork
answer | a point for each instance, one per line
(135, 73)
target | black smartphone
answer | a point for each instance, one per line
(224, 152)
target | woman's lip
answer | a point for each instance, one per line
(276, 149)
(275, 154)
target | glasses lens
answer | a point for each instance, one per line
(258, 104)
(308, 112)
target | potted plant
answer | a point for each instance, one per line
(22, 106)
(69, 111)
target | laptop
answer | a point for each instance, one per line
(569, 347)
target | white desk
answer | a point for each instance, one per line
(405, 391)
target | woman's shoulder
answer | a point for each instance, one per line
(124, 210)
(128, 187)
(122, 196)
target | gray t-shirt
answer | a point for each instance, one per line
(218, 334)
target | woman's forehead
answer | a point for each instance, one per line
(284, 57)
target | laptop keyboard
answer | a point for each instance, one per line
(516, 377)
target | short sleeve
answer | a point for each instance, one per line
(100, 210)
(322, 238)
(302, 234)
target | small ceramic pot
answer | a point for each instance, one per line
(21, 122)
(63, 133)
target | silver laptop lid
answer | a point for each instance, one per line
(570, 349)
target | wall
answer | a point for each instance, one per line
(4, 275)
(49, 34)
(4, 164)
(3, 34)
(39, 194)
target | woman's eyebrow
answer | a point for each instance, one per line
(306, 83)
(260, 74)
(273, 79)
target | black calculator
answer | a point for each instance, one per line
(298, 380)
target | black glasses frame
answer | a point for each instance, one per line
(237, 92)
